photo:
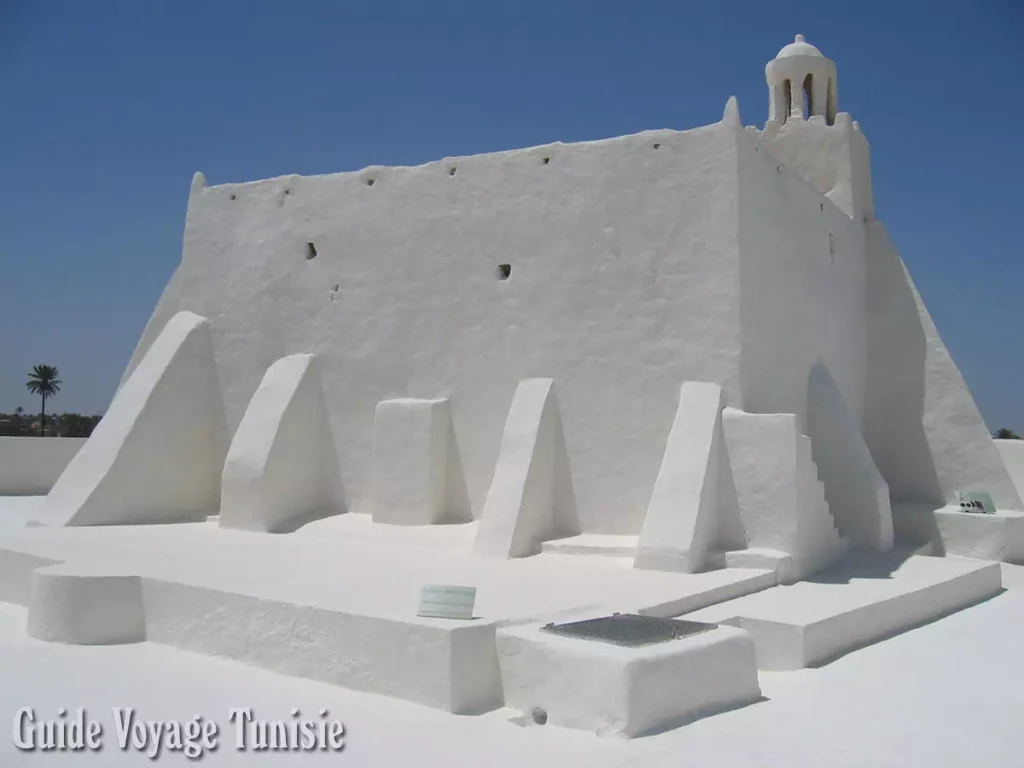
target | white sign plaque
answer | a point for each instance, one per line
(441, 601)
(976, 502)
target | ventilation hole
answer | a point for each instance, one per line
(504, 270)
(546, 160)
(539, 716)
(657, 146)
(287, 191)
(233, 196)
(821, 206)
(778, 169)
(451, 171)
(310, 251)
(369, 182)
(336, 287)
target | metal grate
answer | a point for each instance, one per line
(630, 629)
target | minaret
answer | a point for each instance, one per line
(801, 84)
(806, 131)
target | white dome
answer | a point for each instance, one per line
(799, 47)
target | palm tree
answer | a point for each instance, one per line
(43, 381)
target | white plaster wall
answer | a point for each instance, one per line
(623, 285)
(834, 159)
(1012, 452)
(799, 301)
(924, 429)
(29, 466)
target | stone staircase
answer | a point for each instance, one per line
(822, 543)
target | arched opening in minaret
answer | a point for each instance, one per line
(808, 96)
(830, 103)
(787, 91)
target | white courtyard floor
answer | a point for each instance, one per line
(945, 694)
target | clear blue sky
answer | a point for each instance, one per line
(107, 108)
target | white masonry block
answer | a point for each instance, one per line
(693, 508)
(612, 690)
(417, 475)
(282, 468)
(157, 455)
(85, 605)
(531, 496)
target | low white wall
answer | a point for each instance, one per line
(29, 466)
(1012, 452)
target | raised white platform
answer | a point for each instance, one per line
(933, 692)
(339, 604)
(865, 599)
(950, 531)
(619, 691)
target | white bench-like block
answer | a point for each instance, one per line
(864, 599)
(157, 455)
(693, 508)
(442, 663)
(531, 496)
(950, 531)
(83, 606)
(415, 463)
(282, 468)
(613, 690)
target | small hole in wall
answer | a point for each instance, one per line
(287, 191)
(778, 169)
(451, 171)
(546, 160)
(369, 182)
(310, 251)
(821, 206)
(336, 287)
(539, 716)
(503, 271)
(657, 146)
(233, 196)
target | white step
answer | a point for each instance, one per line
(864, 599)
(605, 545)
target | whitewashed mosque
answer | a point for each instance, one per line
(676, 376)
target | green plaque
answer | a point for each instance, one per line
(440, 601)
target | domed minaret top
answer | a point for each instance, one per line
(801, 84)
(799, 47)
